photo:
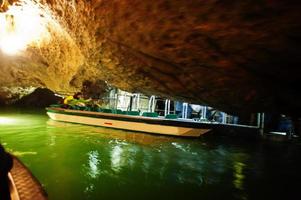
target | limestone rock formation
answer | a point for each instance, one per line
(238, 56)
(40, 98)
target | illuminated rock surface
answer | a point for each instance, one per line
(234, 55)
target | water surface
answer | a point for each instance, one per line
(84, 162)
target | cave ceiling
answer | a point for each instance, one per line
(239, 56)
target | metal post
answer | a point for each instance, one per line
(138, 101)
(184, 111)
(224, 118)
(258, 120)
(167, 107)
(262, 125)
(154, 103)
(151, 103)
(134, 103)
(131, 103)
(204, 110)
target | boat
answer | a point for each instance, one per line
(22, 183)
(149, 122)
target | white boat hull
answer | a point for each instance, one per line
(129, 125)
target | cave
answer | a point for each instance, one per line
(239, 57)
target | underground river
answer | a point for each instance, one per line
(85, 162)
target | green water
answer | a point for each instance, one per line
(85, 162)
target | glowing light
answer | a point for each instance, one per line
(21, 26)
(6, 120)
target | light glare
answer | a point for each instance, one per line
(6, 120)
(21, 26)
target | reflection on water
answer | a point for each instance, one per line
(7, 121)
(116, 158)
(84, 162)
(20, 153)
(93, 164)
(238, 174)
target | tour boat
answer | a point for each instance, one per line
(149, 122)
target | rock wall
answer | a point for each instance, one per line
(39, 98)
(238, 56)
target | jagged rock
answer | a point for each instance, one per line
(95, 90)
(238, 56)
(40, 98)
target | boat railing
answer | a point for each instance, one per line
(121, 102)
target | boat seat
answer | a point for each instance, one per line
(150, 114)
(106, 110)
(171, 116)
(87, 108)
(81, 107)
(98, 109)
(117, 111)
(135, 113)
(95, 109)
(75, 107)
